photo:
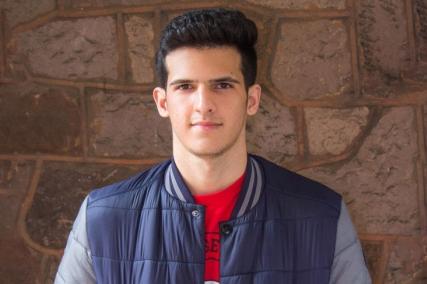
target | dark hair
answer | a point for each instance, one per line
(210, 28)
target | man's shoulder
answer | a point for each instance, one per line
(130, 185)
(292, 184)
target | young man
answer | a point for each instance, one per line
(213, 214)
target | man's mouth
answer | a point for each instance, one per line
(206, 124)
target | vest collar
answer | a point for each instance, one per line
(249, 195)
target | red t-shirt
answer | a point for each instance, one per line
(218, 208)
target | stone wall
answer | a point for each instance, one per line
(345, 103)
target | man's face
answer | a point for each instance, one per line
(206, 100)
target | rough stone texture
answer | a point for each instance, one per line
(312, 59)
(379, 184)
(106, 3)
(408, 261)
(384, 54)
(61, 189)
(298, 4)
(18, 263)
(421, 28)
(271, 132)
(140, 35)
(373, 252)
(127, 125)
(35, 118)
(49, 269)
(79, 49)
(19, 11)
(14, 180)
(331, 131)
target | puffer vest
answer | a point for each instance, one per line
(147, 229)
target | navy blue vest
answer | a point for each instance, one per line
(147, 229)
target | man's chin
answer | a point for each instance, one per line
(208, 153)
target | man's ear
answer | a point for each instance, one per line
(159, 96)
(254, 98)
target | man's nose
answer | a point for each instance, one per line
(204, 100)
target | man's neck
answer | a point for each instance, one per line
(205, 175)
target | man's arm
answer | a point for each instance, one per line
(349, 264)
(76, 264)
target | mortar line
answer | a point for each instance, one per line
(60, 5)
(385, 258)
(39, 21)
(301, 133)
(25, 207)
(97, 85)
(314, 14)
(121, 47)
(72, 159)
(421, 163)
(410, 24)
(108, 11)
(2, 43)
(421, 132)
(352, 29)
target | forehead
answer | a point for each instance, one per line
(203, 63)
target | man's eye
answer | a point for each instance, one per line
(224, 85)
(184, 87)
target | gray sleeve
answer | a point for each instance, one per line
(349, 264)
(76, 264)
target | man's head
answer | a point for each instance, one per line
(210, 28)
(207, 69)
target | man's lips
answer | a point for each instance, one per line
(206, 124)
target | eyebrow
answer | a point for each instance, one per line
(217, 80)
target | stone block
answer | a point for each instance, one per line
(18, 263)
(374, 253)
(408, 261)
(15, 177)
(140, 35)
(20, 11)
(421, 28)
(41, 119)
(271, 132)
(332, 131)
(298, 4)
(60, 191)
(384, 55)
(312, 59)
(379, 183)
(80, 49)
(127, 125)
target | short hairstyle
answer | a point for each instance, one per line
(210, 28)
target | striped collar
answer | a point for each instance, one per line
(249, 195)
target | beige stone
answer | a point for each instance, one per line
(79, 49)
(271, 132)
(384, 44)
(408, 261)
(331, 131)
(379, 184)
(127, 125)
(140, 35)
(20, 11)
(421, 27)
(300, 4)
(312, 59)
(39, 119)
(60, 192)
